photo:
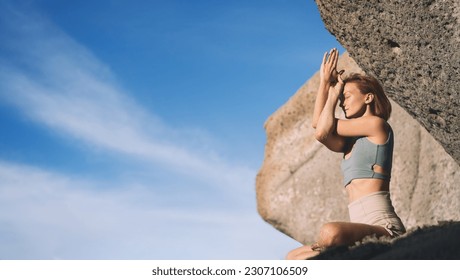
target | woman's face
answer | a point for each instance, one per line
(353, 101)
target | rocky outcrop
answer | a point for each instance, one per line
(413, 47)
(299, 185)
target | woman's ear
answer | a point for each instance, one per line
(369, 98)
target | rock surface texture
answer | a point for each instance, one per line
(299, 186)
(413, 47)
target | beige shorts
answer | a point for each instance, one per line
(376, 209)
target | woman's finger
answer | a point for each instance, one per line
(335, 59)
(331, 55)
(324, 58)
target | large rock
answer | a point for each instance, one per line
(413, 47)
(299, 185)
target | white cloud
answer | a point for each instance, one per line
(54, 216)
(64, 87)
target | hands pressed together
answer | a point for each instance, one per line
(329, 93)
(328, 71)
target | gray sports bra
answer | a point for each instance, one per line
(364, 156)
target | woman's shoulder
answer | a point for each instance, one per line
(376, 123)
(380, 129)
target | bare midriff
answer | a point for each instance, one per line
(361, 187)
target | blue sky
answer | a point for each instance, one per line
(134, 129)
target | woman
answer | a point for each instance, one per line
(366, 140)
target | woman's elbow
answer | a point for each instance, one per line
(321, 136)
(313, 124)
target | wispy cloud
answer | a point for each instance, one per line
(58, 83)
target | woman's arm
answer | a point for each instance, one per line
(374, 128)
(326, 128)
(326, 74)
(320, 101)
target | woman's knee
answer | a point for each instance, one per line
(331, 234)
